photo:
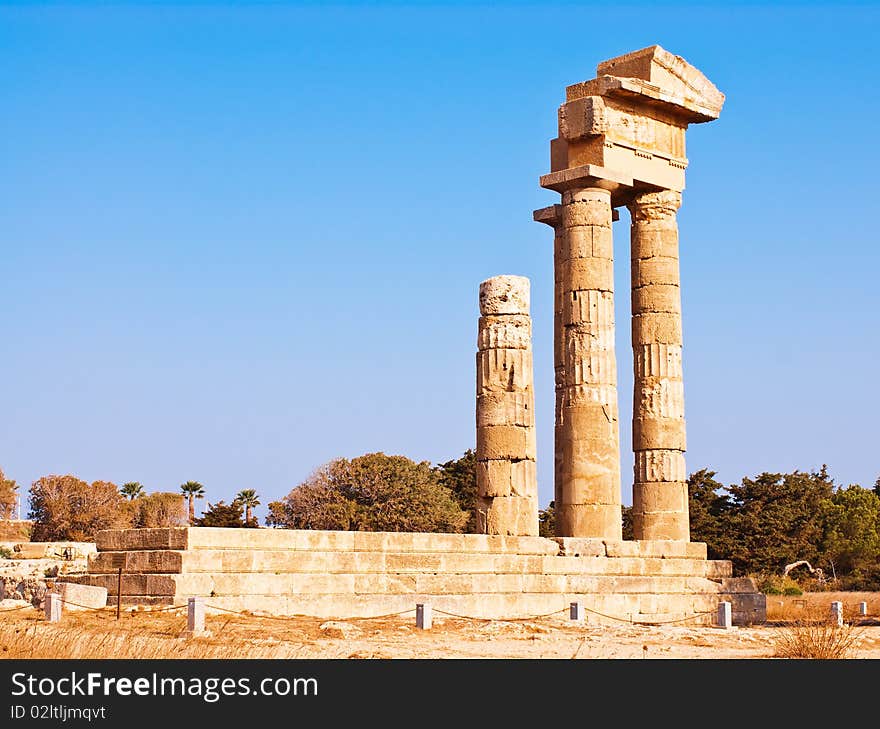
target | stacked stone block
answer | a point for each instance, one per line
(507, 490)
(589, 500)
(338, 574)
(660, 496)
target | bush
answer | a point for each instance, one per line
(65, 508)
(817, 637)
(222, 514)
(777, 585)
(159, 509)
(373, 492)
(5, 553)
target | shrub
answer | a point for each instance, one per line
(817, 637)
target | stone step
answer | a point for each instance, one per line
(181, 538)
(259, 561)
(194, 538)
(599, 609)
(265, 584)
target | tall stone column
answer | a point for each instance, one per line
(589, 503)
(660, 497)
(552, 216)
(507, 485)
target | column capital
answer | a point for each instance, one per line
(552, 215)
(654, 205)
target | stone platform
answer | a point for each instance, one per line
(340, 574)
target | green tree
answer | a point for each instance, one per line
(547, 521)
(627, 529)
(250, 500)
(708, 510)
(8, 496)
(851, 540)
(222, 514)
(373, 492)
(133, 490)
(192, 490)
(460, 477)
(775, 519)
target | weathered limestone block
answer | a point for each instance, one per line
(506, 478)
(657, 298)
(505, 408)
(512, 515)
(659, 465)
(504, 295)
(504, 370)
(583, 117)
(593, 241)
(79, 597)
(504, 331)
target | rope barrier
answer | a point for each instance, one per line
(20, 607)
(507, 620)
(292, 617)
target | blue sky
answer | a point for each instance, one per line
(239, 240)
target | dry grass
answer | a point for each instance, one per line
(150, 634)
(141, 634)
(817, 636)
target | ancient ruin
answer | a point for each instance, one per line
(507, 482)
(621, 142)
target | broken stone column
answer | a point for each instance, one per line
(660, 495)
(507, 486)
(589, 503)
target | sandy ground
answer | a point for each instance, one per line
(25, 633)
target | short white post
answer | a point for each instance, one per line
(53, 607)
(195, 615)
(423, 616)
(576, 612)
(863, 608)
(725, 615)
(837, 613)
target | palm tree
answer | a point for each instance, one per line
(132, 489)
(249, 499)
(192, 490)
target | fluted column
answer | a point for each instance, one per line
(589, 503)
(660, 497)
(552, 216)
(507, 486)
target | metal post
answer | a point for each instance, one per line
(837, 613)
(53, 607)
(863, 608)
(118, 592)
(423, 616)
(195, 615)
(725, 619)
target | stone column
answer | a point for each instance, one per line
(589, 502)
(552, 216)
(660, 497)
(507, 485)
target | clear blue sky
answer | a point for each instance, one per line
(241, 240)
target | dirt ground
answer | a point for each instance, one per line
(25, 633)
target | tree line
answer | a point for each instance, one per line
(67, 508)
(761, 524)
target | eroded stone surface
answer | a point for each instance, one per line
(506, 449)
